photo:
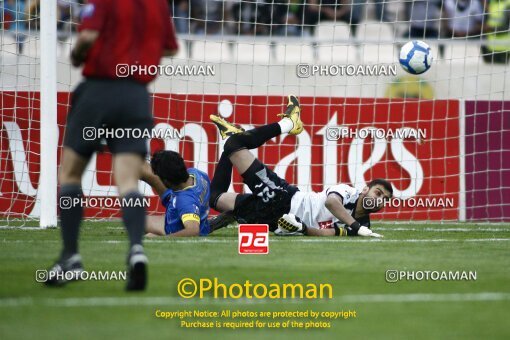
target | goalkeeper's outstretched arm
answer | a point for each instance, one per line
(289, 224)
(320, 232)
(335, 205)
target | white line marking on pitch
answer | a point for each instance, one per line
(320, 240)
(431, 229)
(158, 301)
(280, 239)
(20, 228)
(424, 297)
(425, 229)
(443, 229)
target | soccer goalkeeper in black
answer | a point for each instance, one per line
(279, 204)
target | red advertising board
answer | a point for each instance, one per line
(487, 160)
(418, 148)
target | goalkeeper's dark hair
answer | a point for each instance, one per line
(169, 166)
(382, 182)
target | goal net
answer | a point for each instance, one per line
(441, 137)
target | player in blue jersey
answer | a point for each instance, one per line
(183, 191)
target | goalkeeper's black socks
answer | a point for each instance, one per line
(252, 139)
(259, 136)
(71, 212)
(133, 216)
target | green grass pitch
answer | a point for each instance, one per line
(355, 267)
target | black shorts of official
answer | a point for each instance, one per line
(270, 199)
(113, 104)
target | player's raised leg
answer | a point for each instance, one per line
(220, 199)
(238, 145)
(253, 171)
(236, 150)
(226, 128)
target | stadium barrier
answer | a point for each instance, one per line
(418, 146)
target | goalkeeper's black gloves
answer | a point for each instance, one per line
(351, 230)
(355, 229)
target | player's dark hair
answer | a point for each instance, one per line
(384, 183)
(169, 166)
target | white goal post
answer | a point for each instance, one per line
(49, 127)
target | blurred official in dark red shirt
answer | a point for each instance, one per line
(131, 32)
(115, 38)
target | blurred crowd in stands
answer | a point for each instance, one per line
(425, 19)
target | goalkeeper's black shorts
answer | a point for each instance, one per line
(270, 199)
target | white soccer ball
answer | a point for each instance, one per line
(415, 57)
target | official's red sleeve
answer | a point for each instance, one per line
(93, 15)
(171, 38)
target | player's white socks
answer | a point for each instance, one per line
(286, 125)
